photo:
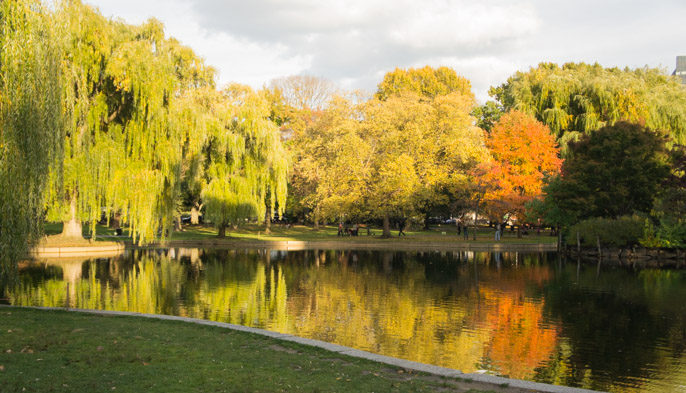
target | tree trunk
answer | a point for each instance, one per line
(73, 227)
(195, 214)
(268, 221)
(115, 223)
(177, 224)
(316, 218)
(476, 217)
(387, 259)
(386, 227)
(426, 221)
(222, 231)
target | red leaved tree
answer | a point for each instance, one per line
(523, 152)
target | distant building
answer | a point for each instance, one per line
(680, 68)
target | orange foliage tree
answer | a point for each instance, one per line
(523, 152)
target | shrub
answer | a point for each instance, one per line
(670, 233)
(614, 232)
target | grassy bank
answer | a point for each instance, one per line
(447, 234)
(58, 351)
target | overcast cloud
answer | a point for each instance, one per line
(354, 42)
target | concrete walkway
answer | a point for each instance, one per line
(113, 249)
(405, 364)
(94, 250)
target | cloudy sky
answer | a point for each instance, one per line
(354, 42)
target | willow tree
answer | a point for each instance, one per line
(123, 144)
(246, 165)
(30, 123)
(576, 99)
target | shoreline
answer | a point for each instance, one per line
(114, 249)
(495, 381)
(294, 245)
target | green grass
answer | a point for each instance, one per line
(58, 351)
(104, 233)
(305, 233)
(328, 233)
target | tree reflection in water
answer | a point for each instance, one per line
(526, 316)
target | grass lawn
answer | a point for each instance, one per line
(58, 351)
(305, 233)
(328, 233)
(103, 232)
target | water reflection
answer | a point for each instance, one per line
(528, 316)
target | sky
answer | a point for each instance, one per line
(354, 43)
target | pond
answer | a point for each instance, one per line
(529, 316)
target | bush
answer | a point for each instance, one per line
(671, 233)
(620, 232)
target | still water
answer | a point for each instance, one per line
(523, 315)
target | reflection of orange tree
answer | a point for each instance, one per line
(520, 338)
(372, 306)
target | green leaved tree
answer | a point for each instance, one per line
(31, 123)
(577, 98)
(245, 163)
(615, 171)
(123, 147)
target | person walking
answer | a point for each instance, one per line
(340, 229)
(401, 227)
(497, 232)
(465, 231)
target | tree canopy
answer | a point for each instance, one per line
(245, 162)
(118, 120)
(427, 81)
(123, 142)
(578, 98)
(615, 171)
(31, 123)
(304, 91)
(397, 156)
(523, 153)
